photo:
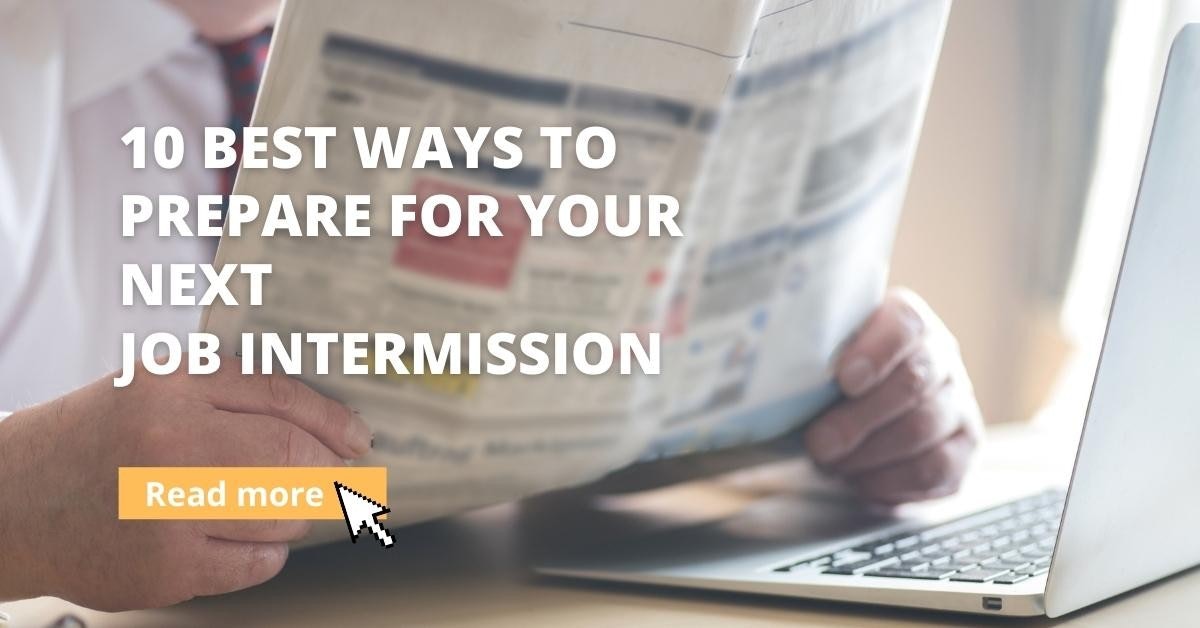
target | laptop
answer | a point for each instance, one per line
(1128, 516)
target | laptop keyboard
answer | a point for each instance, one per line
(1001, 545)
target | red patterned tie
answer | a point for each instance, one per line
(244, 60)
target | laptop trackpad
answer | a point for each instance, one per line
(766, 529)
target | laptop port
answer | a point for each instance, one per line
(992, 603)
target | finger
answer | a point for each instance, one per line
(230, 439)
(934, 420)
(225, 566)
(883, 342)
(287, 398)
(267, 531)
(253, 440)
(845, 426)
(935, 473)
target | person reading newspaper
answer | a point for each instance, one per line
(903, 428)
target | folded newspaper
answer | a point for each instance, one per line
(786, 129)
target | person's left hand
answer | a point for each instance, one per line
(909, 422)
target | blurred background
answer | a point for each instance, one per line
(1024, 179)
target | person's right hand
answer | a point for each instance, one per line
(59, 532)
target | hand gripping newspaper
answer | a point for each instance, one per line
(786, 129)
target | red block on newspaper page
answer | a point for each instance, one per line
(483, 260)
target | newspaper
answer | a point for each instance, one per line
(786, 129)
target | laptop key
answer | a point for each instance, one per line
(859, 567)
(846, 558)
(818, 563)
(839, 571)
(925, 574)
(979, 575)
(1012, 578)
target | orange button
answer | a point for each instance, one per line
(241, 492)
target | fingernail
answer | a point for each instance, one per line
(358, 434)
(825, 443)
(912, 319)
(856, 377)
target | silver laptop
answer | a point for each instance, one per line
(1129, 516)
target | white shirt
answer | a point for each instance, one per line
(76, 75)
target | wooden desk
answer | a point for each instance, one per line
(469, 570)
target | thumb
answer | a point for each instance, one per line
(892, 333)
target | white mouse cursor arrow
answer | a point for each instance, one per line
(361, 511)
